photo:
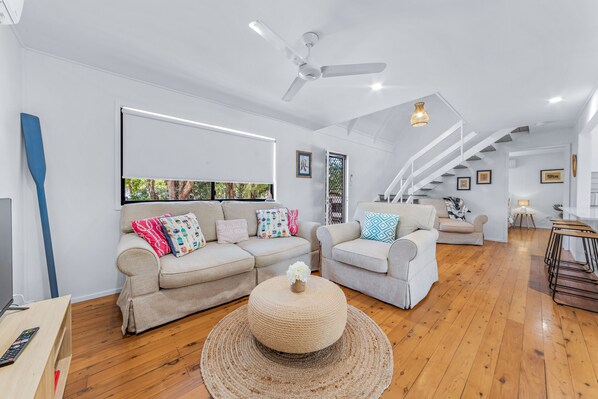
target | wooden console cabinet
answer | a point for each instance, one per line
(32, 375)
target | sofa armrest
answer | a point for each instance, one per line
(139, 262)
(478, 221)
(334, 234)
(308, 231)
(409, 249)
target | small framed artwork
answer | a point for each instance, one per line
(304, 164)
(463, 183)
(484, 177)
(551, 176)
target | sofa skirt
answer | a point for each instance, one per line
(400, 293)
(147, 311)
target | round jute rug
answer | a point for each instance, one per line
(235, 365)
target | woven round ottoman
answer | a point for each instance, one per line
(297, 322)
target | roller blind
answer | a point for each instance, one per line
(157, 146)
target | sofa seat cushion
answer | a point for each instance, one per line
(212, 262)
(366, 254)
(455, 226)
(274, 250)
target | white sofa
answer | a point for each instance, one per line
(400, 273)
(468, 232)
(159, 290)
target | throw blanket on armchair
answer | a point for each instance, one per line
(456, 208)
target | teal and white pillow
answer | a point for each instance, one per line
(273, 223)
(379, 226)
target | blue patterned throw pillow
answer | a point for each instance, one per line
(379, 226)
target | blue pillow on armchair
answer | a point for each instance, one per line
(379, 226)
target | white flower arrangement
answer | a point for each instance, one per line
(298, 271)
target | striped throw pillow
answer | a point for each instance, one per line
(150, 230)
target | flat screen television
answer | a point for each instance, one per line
(5, 254)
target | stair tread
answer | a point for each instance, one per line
(460, 167)
(474, 158)
(490, 148)
(448, 175)
(436, 182)
(521, 129)
(504, 139)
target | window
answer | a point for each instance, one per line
(171, 159)
(143, 190)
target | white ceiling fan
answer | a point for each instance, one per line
(308, 70)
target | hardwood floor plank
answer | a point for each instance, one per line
(479, 381)
(558, 377)
(580, 365)
(532, 373)
(588, 323)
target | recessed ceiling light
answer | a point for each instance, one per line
(555, 100)
(376, 86)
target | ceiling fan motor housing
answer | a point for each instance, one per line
(309, 72)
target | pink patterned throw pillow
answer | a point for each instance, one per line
(293, 226)
(150, 230)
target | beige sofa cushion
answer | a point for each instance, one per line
(412, 217)
(366, 254)
(212, 262)
(207, 213)
(455, 226)
(270, 251)
(437, 203)
(246, 210)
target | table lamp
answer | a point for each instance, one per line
(523, 203)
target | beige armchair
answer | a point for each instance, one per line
(400, 273)
(450, 231)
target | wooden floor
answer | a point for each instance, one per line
(486, 329)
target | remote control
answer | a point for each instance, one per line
(10, 356)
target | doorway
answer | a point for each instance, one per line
(337, 196)
(538, 185)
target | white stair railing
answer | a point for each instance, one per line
(459, 159)
(409, 165)
(408, 175)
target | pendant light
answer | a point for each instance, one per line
(419, 117)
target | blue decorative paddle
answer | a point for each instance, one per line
(34, 147)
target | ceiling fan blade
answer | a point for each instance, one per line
(264, 31)
(294, 89)
(331, 71)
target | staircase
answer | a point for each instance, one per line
(414, 182)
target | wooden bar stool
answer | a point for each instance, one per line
(555, 269)
(563, 225)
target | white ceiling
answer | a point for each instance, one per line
(497, 62)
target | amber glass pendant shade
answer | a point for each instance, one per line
(419, 117)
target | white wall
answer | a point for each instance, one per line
(77, 107)
(524, 183)
(11, 148)
(492, 199)
(594, 161)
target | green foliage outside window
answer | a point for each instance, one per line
(172, 190)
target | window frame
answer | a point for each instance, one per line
(124, 201)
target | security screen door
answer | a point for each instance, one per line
(336, 188)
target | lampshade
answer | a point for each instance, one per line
(523, 202)
(419, 117)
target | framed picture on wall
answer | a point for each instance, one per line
(463, 183)
(551, 176)
(484, 177)
(303, 166)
